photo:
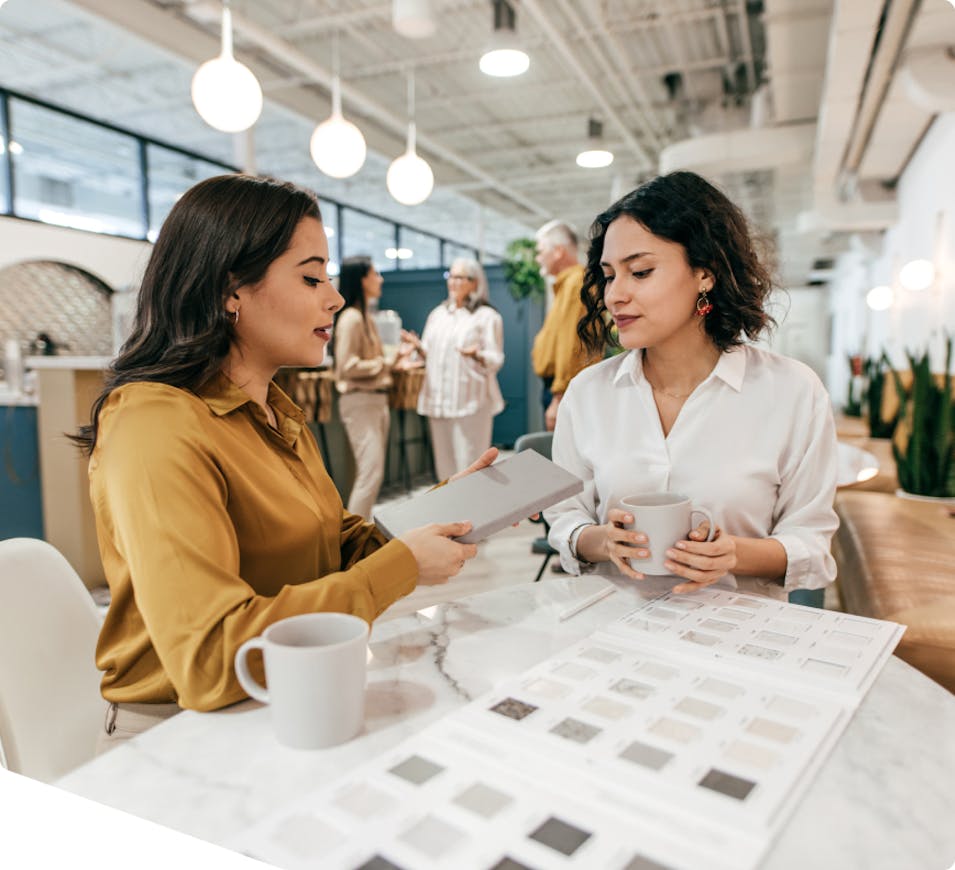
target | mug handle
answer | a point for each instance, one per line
(252, 686)
(709, 518)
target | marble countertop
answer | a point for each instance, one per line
(881, 800)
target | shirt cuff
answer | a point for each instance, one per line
(391, 573)
(569, 560)
(798, 563)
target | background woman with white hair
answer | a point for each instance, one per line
(463, 347)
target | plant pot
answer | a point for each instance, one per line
(936, 499)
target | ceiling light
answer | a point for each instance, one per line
(880, 298)
(504, 56)
(225, 92)
(413, 18)
(917, 274)
(399, 253)
(337, 146)
(594, 157)
(410, 179)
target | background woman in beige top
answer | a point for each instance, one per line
(363, 377)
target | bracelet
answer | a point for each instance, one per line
(572, 542)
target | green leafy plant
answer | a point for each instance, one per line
(524, 278)
(924, 442)
(874, 370)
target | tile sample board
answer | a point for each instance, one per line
(822, 650)
(640, 747)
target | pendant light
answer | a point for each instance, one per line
(225, 92)
(880, 298)
(337, 146)
(594, 157)
(413, 18)
(504, 56)
(917, 274)
(410, 179)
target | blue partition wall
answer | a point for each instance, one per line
(413, 293)
(21, 507)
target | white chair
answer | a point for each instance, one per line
(50, 704)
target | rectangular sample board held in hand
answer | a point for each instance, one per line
(490, 499)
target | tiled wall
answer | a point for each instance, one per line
(68, 304)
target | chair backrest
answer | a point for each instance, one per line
(539, 441)
(50, 703)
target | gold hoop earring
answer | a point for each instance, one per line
(235, 318)
(703, 304)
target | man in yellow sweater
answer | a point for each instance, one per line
(557, 354)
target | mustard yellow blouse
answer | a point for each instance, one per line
(212, 525)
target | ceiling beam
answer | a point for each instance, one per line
(569, 57)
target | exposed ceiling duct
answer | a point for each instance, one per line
(746, 150)
(928, 76)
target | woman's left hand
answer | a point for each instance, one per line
(471, 352)
(700, 561)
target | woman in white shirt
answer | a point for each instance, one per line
(463, 347)
(691, 408)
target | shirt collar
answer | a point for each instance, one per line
(730, 368)
(223, 397)
(565, 274)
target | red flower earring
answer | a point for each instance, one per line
(703, 304)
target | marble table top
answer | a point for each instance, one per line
(882, 799)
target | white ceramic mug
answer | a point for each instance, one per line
(665, 518)
(315, 668)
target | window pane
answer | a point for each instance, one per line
(4, 189)
(171, 174)
(370, 237)
(330, 222)
(73, 173)
(425, 250)
(453, 251)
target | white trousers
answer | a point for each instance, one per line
(458, 441)
(366, 417)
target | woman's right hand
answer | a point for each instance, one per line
(614, 542)
(438, 557)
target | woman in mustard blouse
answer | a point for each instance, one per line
(214, 513)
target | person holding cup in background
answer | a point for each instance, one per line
(362, 377)
(691, 409)
(215, 515)
(463, 347)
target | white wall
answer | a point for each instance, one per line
(925, 230)
(801, 315)
(118, 262)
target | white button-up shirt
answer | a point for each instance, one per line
(456, 385)
(754, 443)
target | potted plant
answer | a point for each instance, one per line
(924, 441)
(524, 278)
(874, 371)
(853, 406)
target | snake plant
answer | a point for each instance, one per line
(874, 369)
(924, 442)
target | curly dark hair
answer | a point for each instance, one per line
(685, 208)
(222, 234)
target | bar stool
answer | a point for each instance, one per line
(403, 397)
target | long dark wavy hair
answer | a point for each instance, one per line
(222, 234)
(685, 208)
(350, 277)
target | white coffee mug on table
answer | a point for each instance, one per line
(315, 668)
(665, 518)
